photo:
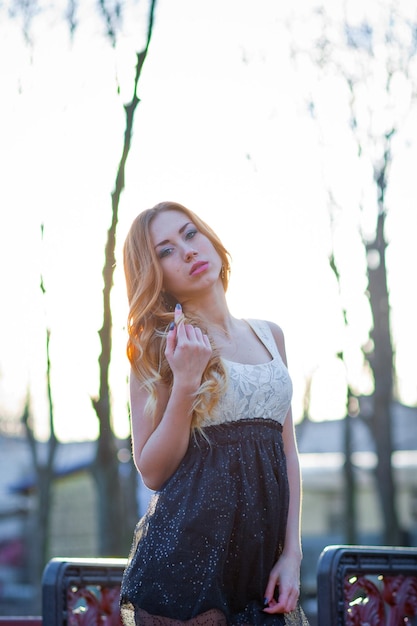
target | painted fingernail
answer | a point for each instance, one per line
(171, 326)
(266, 601)
(178, 306)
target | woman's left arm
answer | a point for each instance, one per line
(286, 572)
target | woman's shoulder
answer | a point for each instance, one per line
(273, 327)
(275, 330)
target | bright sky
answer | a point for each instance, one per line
(223, 128)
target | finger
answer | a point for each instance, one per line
(276, 607)
(270, 589)
(202, 338)
(286, 602)
(177, 313)
(199, 334)
(171, 338)
(293, 598)
(191, 332)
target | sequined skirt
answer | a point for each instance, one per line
(203, 552)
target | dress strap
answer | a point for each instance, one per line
(264, 332)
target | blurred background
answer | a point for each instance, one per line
(291, 129)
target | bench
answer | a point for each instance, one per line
(367, 586)
(81, 592)
(77, 592)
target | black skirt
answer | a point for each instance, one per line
(203, 552)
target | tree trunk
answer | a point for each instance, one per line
(381, 362)
(350, 485)
(45, 471)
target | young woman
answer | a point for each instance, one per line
(212, 435)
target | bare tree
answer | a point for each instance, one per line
(372, 54)
(43, 459)
(351, 535)
(106, 465)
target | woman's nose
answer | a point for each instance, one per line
(190, 254)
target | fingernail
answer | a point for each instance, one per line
(178, 306)
(171, 326)
(266, 601)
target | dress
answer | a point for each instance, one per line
(203, 551)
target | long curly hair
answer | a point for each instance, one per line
(151, 312)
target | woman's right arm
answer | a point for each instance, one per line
(159, 445)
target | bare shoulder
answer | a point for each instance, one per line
(278, 335)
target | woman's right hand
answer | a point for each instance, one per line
(160, 444)
(188, 351)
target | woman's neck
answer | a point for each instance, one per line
(218, 322)
(211, 309)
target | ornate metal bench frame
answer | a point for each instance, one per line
(76, 592)
(359, 585)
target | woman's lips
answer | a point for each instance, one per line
(199, 267)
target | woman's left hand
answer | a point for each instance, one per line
(286, 576)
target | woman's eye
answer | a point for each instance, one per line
(165, 252)
(191, 233)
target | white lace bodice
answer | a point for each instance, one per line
(263, 390)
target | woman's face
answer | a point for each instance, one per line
(188, 259)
